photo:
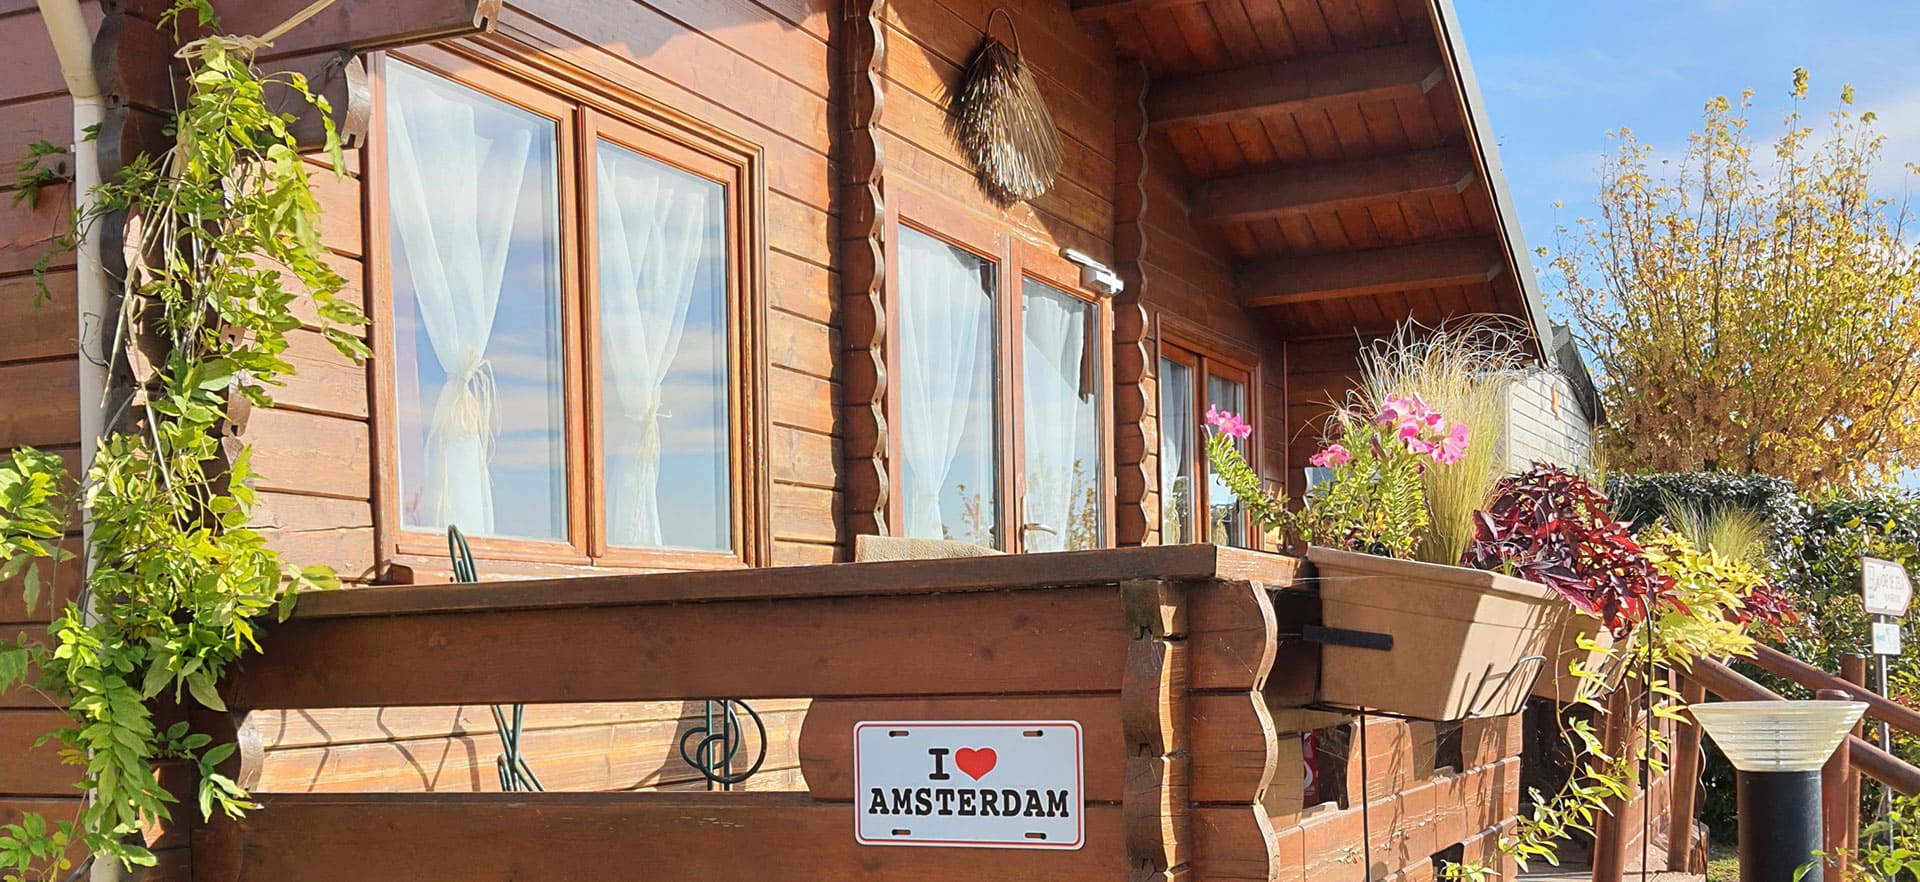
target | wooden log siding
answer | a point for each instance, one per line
(39, 382)
(1159, 653)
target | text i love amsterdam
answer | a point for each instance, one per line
(994, 784)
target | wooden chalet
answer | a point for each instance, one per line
(675, 300)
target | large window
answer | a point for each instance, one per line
(998, 390)
(572, 292)
(1195, 506)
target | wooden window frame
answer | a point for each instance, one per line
(1208, 356)
(1016, 258)
(586, 109)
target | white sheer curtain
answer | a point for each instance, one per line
(653, 235)
(1062, 455)
(1176, 451)
(448, 177)
(944, 319)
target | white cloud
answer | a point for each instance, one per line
(1899, 121)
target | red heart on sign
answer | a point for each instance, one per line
(975, 762)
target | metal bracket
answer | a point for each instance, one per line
(1478, 707)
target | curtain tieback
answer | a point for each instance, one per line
(650, 427)
(473, 411)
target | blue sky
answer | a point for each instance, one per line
(1556, 75)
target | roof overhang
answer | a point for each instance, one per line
(1341, 152)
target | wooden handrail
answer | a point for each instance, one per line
(1780, 664)
(1874, 762)
(1883, 766)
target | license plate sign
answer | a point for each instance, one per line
(998, 784)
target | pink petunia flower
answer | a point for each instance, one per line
(1334, 455)
(1452, 448)
(1228, 423)
(1419, 447)
(1408, 430)
(1394, 410)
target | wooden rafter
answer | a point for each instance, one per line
(1386, 73)
(1334, 186)
(1285, 280)
(1100, 10)
(352, 26)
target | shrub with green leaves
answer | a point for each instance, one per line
(1646, 499)
(177, 585)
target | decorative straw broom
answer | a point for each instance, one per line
(1002, 122)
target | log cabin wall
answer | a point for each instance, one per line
(1182, 278)
(1320, 373)
(929, 45)
(39, 380)
(759, 71)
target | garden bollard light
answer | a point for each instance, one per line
(1778, 748)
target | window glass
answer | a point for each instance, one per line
(1226, 515)
(1060, 387)
(663, 353)
(1178, 424)
(474, 201)
(947, 394)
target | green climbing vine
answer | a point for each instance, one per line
(221, 235)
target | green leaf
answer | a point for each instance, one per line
(201, 687)
(13, 665)
(30, 588)
(156, 680)
(217, 754)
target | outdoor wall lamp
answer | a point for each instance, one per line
(1778, 748)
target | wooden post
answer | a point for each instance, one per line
(1610, 834)
(1684, 783)
(862, 39)
(1154, 718)
(1853, 669)
(1834, 797)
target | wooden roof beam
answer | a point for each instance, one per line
(1409, 70)
(1284, 280)
(1100, 10)
(1334, 186)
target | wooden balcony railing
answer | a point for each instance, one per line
(1159, 653)
(1840, 791)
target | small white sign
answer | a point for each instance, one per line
(1884, 587)
(1886, 638)
(971, 784)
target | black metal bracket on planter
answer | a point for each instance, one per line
(1478, 707)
